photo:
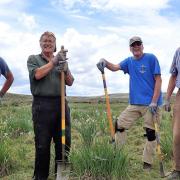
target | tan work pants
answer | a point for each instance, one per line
(176, 131)
(128, 117)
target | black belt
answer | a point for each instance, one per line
(47, 98)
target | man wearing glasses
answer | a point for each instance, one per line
(144, 95)
(44, 75)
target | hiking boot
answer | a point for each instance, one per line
(147, 166)
(174, 175)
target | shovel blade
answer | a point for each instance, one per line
(162, 173)
(63, 171)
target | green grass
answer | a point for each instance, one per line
(91, 155)
(101, 161)
(166, 136)
(15, 121)
(5, 157)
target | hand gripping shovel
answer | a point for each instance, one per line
(63, 167)
(161, 166)
(109, 116)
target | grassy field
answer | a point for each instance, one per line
(92, 156)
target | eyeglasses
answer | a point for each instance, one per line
(137, 43)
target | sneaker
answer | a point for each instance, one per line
(174, 175)
(147, 166)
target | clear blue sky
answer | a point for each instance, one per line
(90, 29)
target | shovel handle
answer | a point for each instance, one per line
(63, 137)
(161, 166)
(109, 116)
(63, 126)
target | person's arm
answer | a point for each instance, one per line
(170, 89)
(104, 63)
(157, 88)
(171, 86)
(172, 81)
(112, 67)
(8, 82)
(69, 79)
(43, 70)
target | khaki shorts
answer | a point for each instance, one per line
(176, 109)
(176, 132)
(133, 112)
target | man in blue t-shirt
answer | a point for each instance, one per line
(5, 71)
(144, 95)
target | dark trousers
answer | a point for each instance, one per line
(46, 115)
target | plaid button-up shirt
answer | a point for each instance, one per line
(175, 67)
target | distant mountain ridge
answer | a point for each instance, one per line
(117, 97)
(26, 99)
(11, 98)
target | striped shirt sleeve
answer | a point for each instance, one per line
(175, 67)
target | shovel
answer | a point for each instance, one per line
(109, 116)
(63, 167)
(161, 166)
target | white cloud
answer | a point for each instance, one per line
(114, 4)
(28, 21)
(106, 38)
(23, 89)
(128, 5)
(2, 2)
(80, 17)
(85, 50)
(15, 47)
(9, 8)
(4, 28)
(67, 4)
(13, 12)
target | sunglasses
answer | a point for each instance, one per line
(137, 43)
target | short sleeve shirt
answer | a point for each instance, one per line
(175, 67)
(4, 69)
(48, 85)
(142, 74)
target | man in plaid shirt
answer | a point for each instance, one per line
(174, 81)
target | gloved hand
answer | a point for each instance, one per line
(62, 66)
(59, 57)
(101, 64)
(167, 106)
(153, 108)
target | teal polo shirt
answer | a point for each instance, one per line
(48, 85)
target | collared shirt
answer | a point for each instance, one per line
(175, 67)
(4, 69)
(47, 86)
